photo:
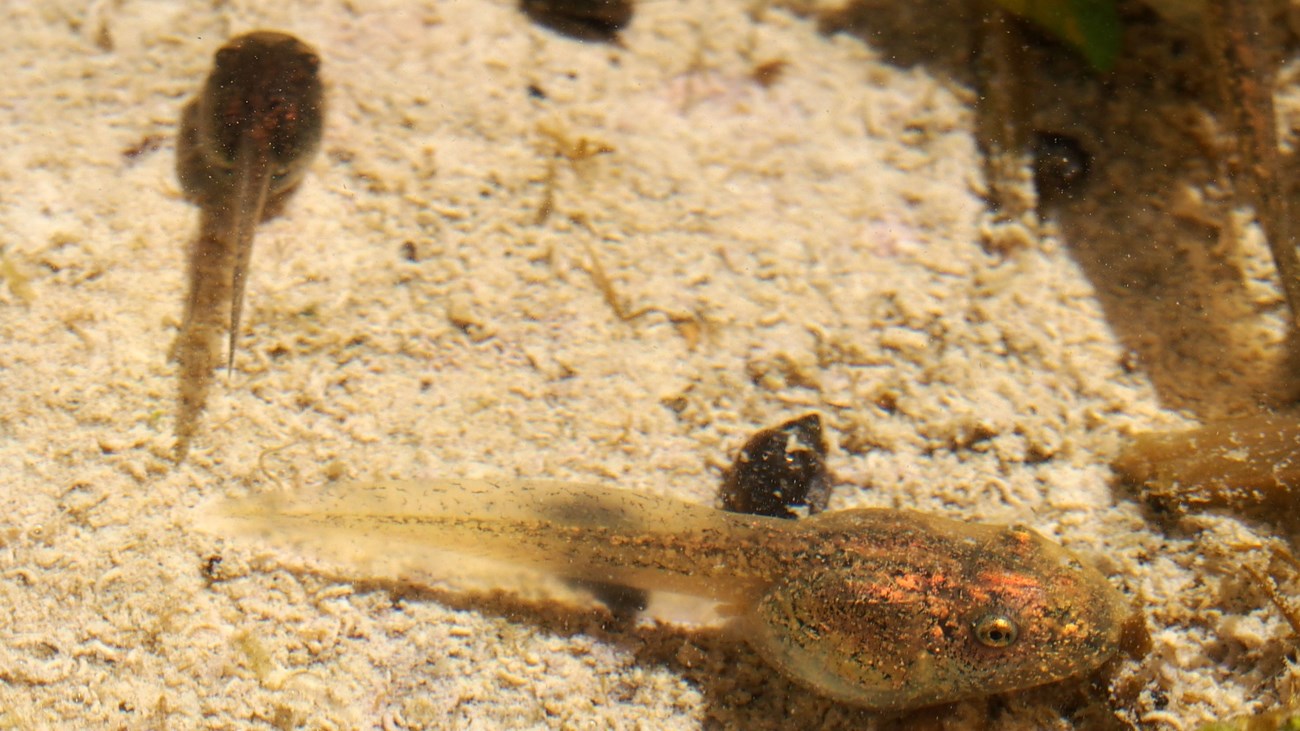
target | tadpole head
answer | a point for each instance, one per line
(264, 88)
(931, 611)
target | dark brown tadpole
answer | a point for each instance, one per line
(245, 141)
(586, 20)
(779, 470)
(1060, 165)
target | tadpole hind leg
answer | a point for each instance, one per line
(779, 473)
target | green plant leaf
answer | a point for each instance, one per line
(1091, 26)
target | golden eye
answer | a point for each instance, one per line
(996, 630)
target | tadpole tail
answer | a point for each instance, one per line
(218, 266)
(581, 531)
(253, 176)
(195, 358)
(197, 349)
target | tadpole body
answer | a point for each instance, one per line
(245, 142)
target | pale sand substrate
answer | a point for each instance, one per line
(809, 246)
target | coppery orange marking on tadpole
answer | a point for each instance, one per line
(1015, 583)
(875, 593)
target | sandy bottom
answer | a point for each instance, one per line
(430, 304)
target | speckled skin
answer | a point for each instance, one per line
(879, 608)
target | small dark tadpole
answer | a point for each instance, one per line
(245, 141)
(584, 20)
(779, 471)
(1061, 165)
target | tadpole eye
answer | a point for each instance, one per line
(996, 630)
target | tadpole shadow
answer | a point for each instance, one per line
(1148, 227)
(935, 34)
(739, 689)
(1152, 228)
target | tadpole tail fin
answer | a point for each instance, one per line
(253, 173)
(581, 531)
